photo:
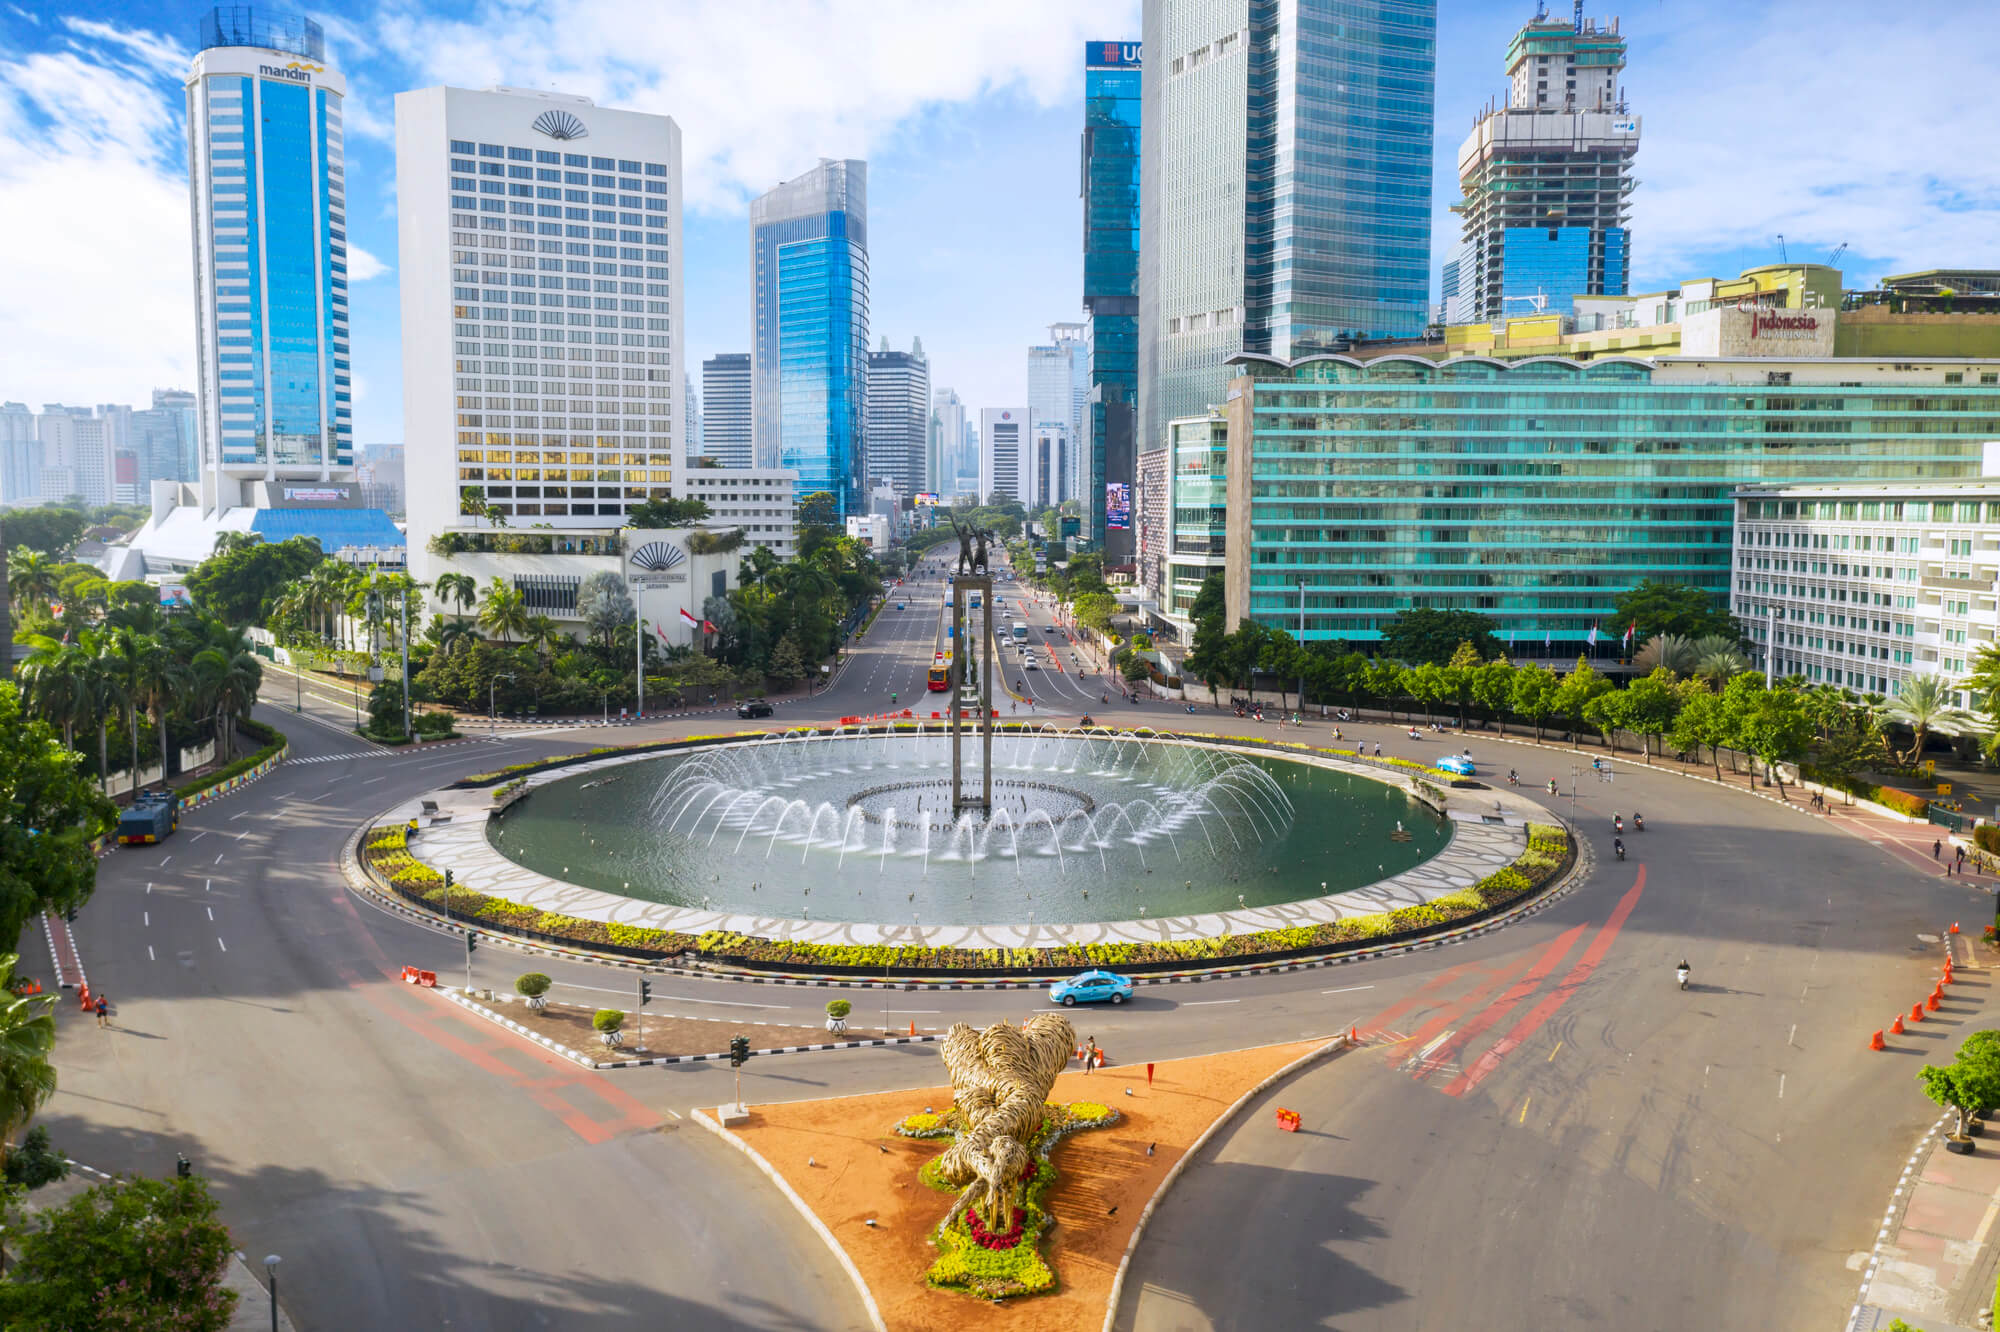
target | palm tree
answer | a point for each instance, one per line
(504, 613)
(138, 664)
(226, 683)
(31, 578)
(543, 633)
(1926, 705)
(1717, 657)
(1672, 651)
(450, 635)
(103, 694)
(27, 1037)
(228, 541)
(53, 676)
(459, 587)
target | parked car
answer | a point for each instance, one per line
(1457, 763)
(1091, 987)
(755, 707)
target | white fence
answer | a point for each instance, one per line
(121, 782)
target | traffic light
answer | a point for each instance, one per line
(471, 944)
(739, 1051)
(447, 884)
(645, 991)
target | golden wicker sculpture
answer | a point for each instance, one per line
(1000, 1079)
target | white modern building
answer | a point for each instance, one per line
(20, 455)
(760, 502)
(897, 426)
(1059, 378)
(1004, 436)
(73, 442)
(947, 442)
(878, 530)
(691, 435)
(1049, 476)
(726, 403)
(539, 238)
(1864, 585)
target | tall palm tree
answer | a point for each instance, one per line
(137, 663)
(27, 1037)
(543, 633)
(53, 676)
(1717, 657)
(228, 541)
(1672, 651)
(31, 578)
(504, 613)
(457, 587)
(104, 694)
(1926, 705)
(226, 683)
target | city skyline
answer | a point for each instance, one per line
(1013, 108)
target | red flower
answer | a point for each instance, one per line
(986, 1239)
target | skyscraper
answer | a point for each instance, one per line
(187, 407)
(809, 321)
(1004, 436)
(725, 396)
(1546, 177)
(691, 437)
(539, 237)
(1111, 174)
(899, 392)
(947, 442)
(1286, 186)
(20, 454)
(266, 167)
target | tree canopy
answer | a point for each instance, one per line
(1654, 607)
(667, 513)
(1423, 634)
(239, 585)
(49, 813)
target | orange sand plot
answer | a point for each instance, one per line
(862, 1171)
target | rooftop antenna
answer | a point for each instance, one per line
(1541, 11)
(1782, 256)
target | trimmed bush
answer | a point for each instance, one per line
(1987, 837)
(838, 1008)
(533, 984)
(607, 1019)
(1902, 802)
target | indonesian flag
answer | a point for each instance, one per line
(1628, 632)
(689, 620)
(1593, 635)
(661, 632)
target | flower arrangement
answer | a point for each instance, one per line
(923, 1125)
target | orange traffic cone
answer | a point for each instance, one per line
(1954, 927)
(1875, 1042)
(1931, 1002)
(913, 1026)
(1896, 1027)
(1916, 1012)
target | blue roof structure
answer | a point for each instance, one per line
(336, 529)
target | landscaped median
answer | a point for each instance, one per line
(229, 777)
(1548, 854)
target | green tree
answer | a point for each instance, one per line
(1461, 670)
(36, 1162)
(27, 1039)
(1970, 1084)
(385, 710)
(51, 528)
(131, 1253)
(1577, 689)
(31, 577)
(1208, 601)
(663, 513)
(1095, 609)
(1702, 720)
(1672, 651)
(1606, 711)
(1493, 687)
(1422, 635)
(48, 816)
(786, 667)
(1208, 656)
(1775, 728)
(504, 611)
(238, 585)
(1384, 682)
(1926, 705)
(1651, 704)
(818, 510)
(604, 605)
(1429, 684)
(1654, 607)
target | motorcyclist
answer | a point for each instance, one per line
(1617, 821)
(1618, 845)
(1682, 972)
(1552, 786)
(1513, 777)
(1638, 821)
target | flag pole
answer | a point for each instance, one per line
(639, 653)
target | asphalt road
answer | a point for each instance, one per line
(1527, 1141)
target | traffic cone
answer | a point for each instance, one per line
(1875, 1042)
(1916, 1012)
(913, 1026)
(1896, 1027)
(1932, 1002)
(1954, 927)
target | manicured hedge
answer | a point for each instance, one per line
(1901, 801)
(274, 741)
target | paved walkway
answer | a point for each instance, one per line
(1937, 1272)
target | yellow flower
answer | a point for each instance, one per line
(1088, 1110)
(919, 1123)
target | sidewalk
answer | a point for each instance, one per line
(1937, 1271)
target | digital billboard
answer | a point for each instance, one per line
(925, 499)
(1118, 505)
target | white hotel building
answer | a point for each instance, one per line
(539, 238)
(1868, 584)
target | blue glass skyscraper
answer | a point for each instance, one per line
(809, 319)
(1112, 94)
(1286, 186)
(266, 167)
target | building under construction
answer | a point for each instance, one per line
(1546, 178)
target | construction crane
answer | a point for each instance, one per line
(1834, 258)
(1783, 258)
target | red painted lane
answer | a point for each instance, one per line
(1376, 1025)
(1541, 1012)
(1547, 962)
(1459, 1007)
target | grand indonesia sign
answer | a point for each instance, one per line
(1768, 325)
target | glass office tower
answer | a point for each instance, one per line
(809, 319)
(1111, 98)
(1286, 186)
(1536, 493)
(265, 164)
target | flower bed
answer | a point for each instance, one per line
(990, 1265)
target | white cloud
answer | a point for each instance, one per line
(152, 52)
(361, 265)
(93, 198)
(760, 90)
(1797, 125)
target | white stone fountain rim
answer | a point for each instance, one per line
(1487, 835)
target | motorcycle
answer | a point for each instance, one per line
(1552, 786)
(1617, 823)
(1638, 823)
(1190, 708)
(1619, 847)
(1513, 778)
(1087, 721)
(1682, 972)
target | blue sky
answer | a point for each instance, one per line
(1759, 119)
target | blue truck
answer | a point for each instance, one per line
(151, 817)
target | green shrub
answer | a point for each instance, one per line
(276, 742)
(838, 1008)
(607, 1019)
(532, 983)
(1987, 837)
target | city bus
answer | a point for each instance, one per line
(1020, 632)
(940, 673)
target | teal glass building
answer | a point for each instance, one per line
(1110, 177)
(1535, 492)
(809, 350)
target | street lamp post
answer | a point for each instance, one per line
(271, 1261)
(492, 714)
(1777, 614)
(1302, 646)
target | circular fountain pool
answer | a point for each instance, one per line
(1085, 826)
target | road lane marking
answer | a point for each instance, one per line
(148, 917)
(1349, 990)
(1524, 1111)
(1793, 1039)
(207, 884)
(1199, 1002)
(211, 913)
(198, 836)
(163, 863)
(1552, 1054)
(218, 860)
(239, 837)
(149, 887)
(243, 815)
(149, 954)
(1781, 1086)
(219, 944)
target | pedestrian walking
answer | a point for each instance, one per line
(1378, 749)
(103, 1010)
(1936, 847)
(1090, 1053)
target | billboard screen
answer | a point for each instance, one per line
(1118, 505)
(925, 499)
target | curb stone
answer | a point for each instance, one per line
(1215, 1126)
(702, 1118)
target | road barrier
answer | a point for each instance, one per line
(410, 975)
(427, 979)
(1288, 1120)
(1932, 1002)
